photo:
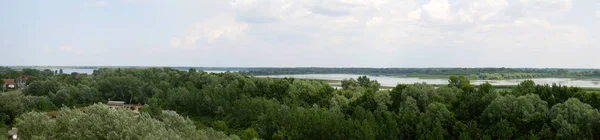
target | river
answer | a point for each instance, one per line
(393, 81)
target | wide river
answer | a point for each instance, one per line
(392, 81)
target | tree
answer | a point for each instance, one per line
(249, 134)
(408, 118)
(596, 73)
(461, 82)
(347, 83)
(421, 92)
(396, 96)
(524, 112)
(220, 126)
(31, 72)
(124, 88)
(525, 87)
(434, 122)
(486, 88)
(574, 120)
(2, 84)
(101, 122)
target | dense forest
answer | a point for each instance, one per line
(471, 73)
(199, 105)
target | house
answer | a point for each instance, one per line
(12, 134)
(133, 107)
(116, 103)
(9, 83)
(21, 82)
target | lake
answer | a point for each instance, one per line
(393, 81)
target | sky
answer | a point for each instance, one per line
(301, 33)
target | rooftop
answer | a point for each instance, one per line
(9, 81)
(116, 103)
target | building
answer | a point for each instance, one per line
(9, 83)
(116, 103)
(133, 107)
(12, 134)
(21, 82)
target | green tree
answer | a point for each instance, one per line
(2, 84)
(347, 83)
(249, 134)
(575, 120)
(596, 73)
(126, 88)
(102, 122)
(524, 112)
(486, 88)
(220, 126)
(396, 96)
(408, 118)
(461, 82)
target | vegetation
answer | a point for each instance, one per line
(233, 105)
(101, 122)
(471, 73)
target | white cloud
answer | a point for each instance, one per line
(529, 43)
(484, 9)
(415, 15)
(175, 42)
(438, 10)
(95, 4)
(545, 8)
(66, 48)
(386, 30)
(209, 31)
(598, 13)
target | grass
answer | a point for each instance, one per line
(2, 132)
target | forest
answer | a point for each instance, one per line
(471, 73)
(199, 105)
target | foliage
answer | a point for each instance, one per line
(251, 107)
(101, 122)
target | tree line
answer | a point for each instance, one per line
(237, 106)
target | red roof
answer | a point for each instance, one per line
(9, 81)
(24, 78)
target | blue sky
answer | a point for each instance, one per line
(289, 33)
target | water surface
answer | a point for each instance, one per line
(393, 81)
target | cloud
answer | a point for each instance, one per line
(546, 8)
(69, 49)
(440, 12)
(210, 31)
(95, 4)
(484, 9)
(66, 48)
(175, 42)
(598, 13)
(388, 30)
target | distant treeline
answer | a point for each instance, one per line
(471, 73)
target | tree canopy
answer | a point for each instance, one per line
(190, 104)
